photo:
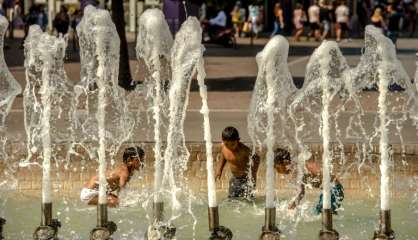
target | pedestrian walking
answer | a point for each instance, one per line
(342, 14)
(377, 19)
(299, 18)
(279, 20)
(62, 21)
(314, 23)
(325, 17)
(394, 18)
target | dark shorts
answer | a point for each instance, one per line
(337, 196)
(241, 187)
(343, 26)
(314, 26)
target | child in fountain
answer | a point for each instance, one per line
(313, 179)
(241, 185)
(133, 159)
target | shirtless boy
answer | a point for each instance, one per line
(133, 159)
(313, 178)
(237, 155)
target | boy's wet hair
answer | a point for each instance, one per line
(133, 152)
(281, 155)
(230, 134)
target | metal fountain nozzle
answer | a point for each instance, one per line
(2, 222)
(48, 230)
(103, 232)
(327, 232)
(270, 231)
(160, 230)
(105, 228)
(384, 232)
(217, 232)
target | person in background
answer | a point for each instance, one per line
(314, 23)
(75, 19)
(237, 18)
(254, 18)
(394, 18)
(17, 16)
(279, 20)
(217, 23)
(42, 18)
(298, 20)
(325, 18)
(377, 19)
(342, 14)
(62, 21)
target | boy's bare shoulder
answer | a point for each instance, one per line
(244, 148)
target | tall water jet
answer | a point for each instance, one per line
(47, 112)
(153, 47)
(9, 89)
(268, 118)
(106, 120)
(326, 75)
(217, 232)
(185, 54)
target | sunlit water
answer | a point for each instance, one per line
(356, 221)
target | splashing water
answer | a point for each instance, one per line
(47, 111)
(273, 89)
(9, 89)
(386, 70)
(326, 75)
(185, 54)
(154, 46)
(106, 123)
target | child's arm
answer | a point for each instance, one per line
(298, 198)
(220, 167)
(254, 168)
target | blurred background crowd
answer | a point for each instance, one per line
(303, 19)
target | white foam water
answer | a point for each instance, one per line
(185, 55)
(44, 63)
(153, 46)
(9, 87)
(380, 66)
(106, 123)
(268, 118)
(326, 76)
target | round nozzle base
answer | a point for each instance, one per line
(385, 231)
(328, 235)
(272, 234)
(2, 222)
(270, 231)
(327, 232)
(103, 232)
(221, 233)
(45, 233)
(160, 231)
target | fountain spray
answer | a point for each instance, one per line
(217, 232)
(109, 126)
(326, 75)
(44, 66)
(273, 89)
(10, 88)
(154, 46)
(379, 65)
